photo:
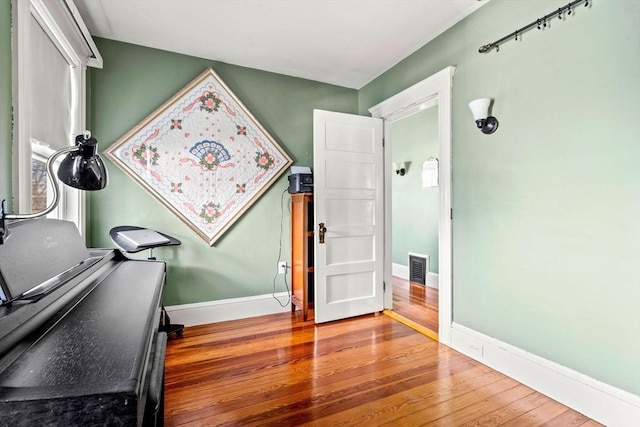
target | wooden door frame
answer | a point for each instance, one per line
(434, 90)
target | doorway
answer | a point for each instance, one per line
(433, 91)
(415, 219)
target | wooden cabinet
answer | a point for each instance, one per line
(302, 252)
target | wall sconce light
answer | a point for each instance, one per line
(480, 110)
(400, 168)
(82, 168)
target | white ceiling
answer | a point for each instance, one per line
(342, 42)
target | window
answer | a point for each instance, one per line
(52, 49)
(40, 187)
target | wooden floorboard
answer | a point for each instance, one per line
(280, 371)
(416, 302)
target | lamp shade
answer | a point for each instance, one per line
(83, 168)
(480, 108)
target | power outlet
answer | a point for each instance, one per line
(476, 350)
(282, 267)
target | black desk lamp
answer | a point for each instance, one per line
(82, 168)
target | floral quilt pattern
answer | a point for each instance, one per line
(202, 155)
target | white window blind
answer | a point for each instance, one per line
(51, 91)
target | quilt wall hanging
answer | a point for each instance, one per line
(203, 155)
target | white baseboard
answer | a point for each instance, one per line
(402, 271)
(597, 400)
(229, 309)
(399, 270)
(432, 280)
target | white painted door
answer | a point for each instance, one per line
(349, 203)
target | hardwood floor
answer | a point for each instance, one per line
(280, 371)
(416, 302)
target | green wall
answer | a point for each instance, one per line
(547, 210)
(134, 82)
(414, 210)
(546, 228)
(5, 100)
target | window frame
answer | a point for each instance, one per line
(63, 24)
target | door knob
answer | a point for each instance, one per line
(322, 229)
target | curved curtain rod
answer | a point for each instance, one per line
(537, 22)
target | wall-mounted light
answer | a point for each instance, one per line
(82, 168)
(400, 168)
(480, 110)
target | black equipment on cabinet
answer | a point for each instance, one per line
(300, 183)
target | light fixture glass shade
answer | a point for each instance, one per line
(83, 169)
(480, 108)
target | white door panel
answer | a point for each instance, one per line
(348, 200)
(356, 175)
(347, 212)
(347, 137)
(350, 286)
(350, 249)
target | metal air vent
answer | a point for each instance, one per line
(418, 268)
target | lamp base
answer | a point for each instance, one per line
(488, 125)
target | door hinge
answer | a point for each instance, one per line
(452, 213)
(384, 286)
(383, 142)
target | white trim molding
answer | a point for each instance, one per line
(399, 270)
(595, 399)
(94, 59)
(434, 90)
(202, 313)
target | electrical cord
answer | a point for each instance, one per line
(278, 260)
